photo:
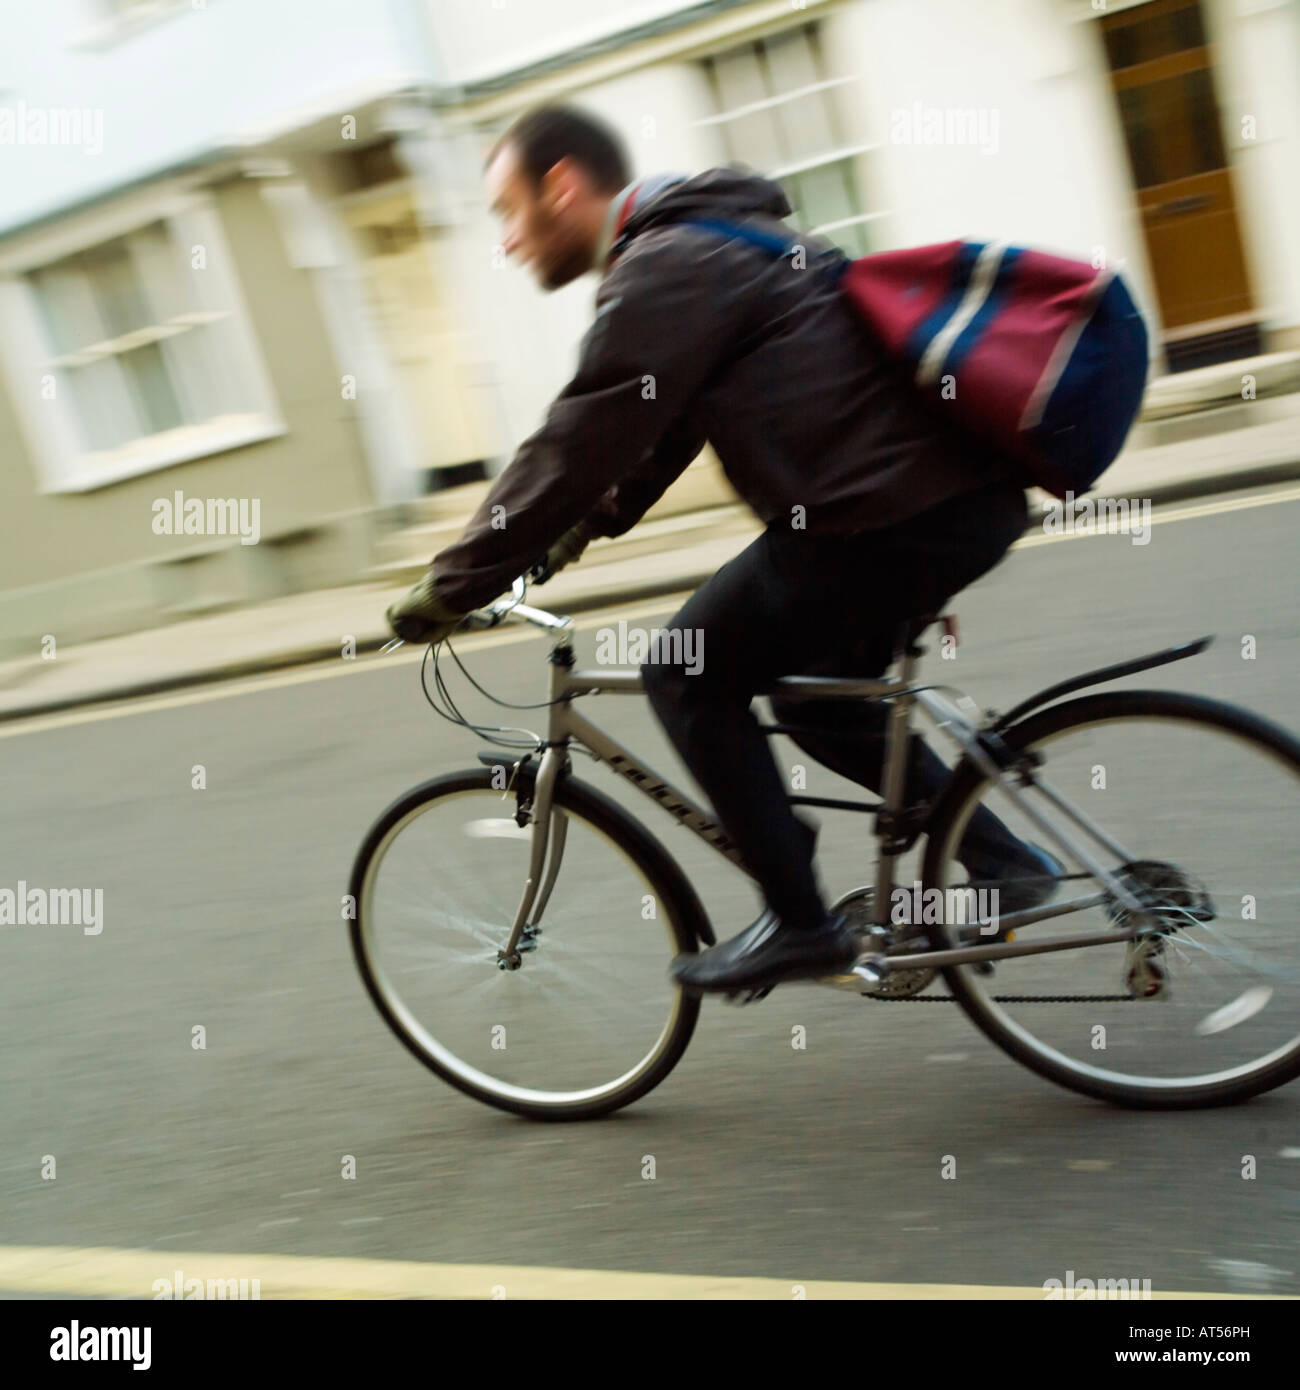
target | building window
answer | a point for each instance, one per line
(135, 356)
(142, 350)
(777, 113)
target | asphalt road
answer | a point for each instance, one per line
(222, 911)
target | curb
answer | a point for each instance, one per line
(629, 592)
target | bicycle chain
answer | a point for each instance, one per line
(1007, 999)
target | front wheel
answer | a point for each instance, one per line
(1194, 804)
(587, 1019)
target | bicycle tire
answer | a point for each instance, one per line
(968, 782)
(682, 909)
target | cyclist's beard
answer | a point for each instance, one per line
(566, 258)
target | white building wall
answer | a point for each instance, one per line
(1257, 72)
(478, 39)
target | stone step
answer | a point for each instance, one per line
(1208, 388)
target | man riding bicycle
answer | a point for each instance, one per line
(876, 509)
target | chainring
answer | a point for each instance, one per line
(899, 938)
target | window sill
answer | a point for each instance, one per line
(93, 471)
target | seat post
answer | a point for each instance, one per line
(898, 736)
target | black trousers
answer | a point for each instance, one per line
(798, 604)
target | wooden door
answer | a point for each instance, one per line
(1162, 74)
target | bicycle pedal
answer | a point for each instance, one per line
(865, 972)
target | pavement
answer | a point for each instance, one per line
(665, 556)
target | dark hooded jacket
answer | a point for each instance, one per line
(698, 337)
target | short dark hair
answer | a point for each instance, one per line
(548, 134)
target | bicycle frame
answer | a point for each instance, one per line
(566, 725)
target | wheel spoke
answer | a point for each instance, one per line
(587, 1010)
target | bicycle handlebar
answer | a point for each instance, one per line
(497, 612)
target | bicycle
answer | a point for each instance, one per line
(1173, 998)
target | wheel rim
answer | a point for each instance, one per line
(590, 999)
(1225, 1012)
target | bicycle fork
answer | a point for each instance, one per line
(550, 828)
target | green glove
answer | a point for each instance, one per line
(564, 551)
(422, 616)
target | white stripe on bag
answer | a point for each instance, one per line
(1062, 352)
(981, 282)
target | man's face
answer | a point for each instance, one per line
(548, 227)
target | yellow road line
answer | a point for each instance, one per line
(252, 685)
(58, 1269)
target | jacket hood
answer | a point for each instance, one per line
(725, 193)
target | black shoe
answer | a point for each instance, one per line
(766, 953)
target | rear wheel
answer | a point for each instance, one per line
(589, 1020)
(1199, 801)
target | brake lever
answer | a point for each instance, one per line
(481, 619)
(495, 613)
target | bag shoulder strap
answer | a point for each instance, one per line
(770, 242)
(765, 241)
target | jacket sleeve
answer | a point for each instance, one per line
(665, 318)
(629, 499)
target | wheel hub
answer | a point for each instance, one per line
(1171, 898)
